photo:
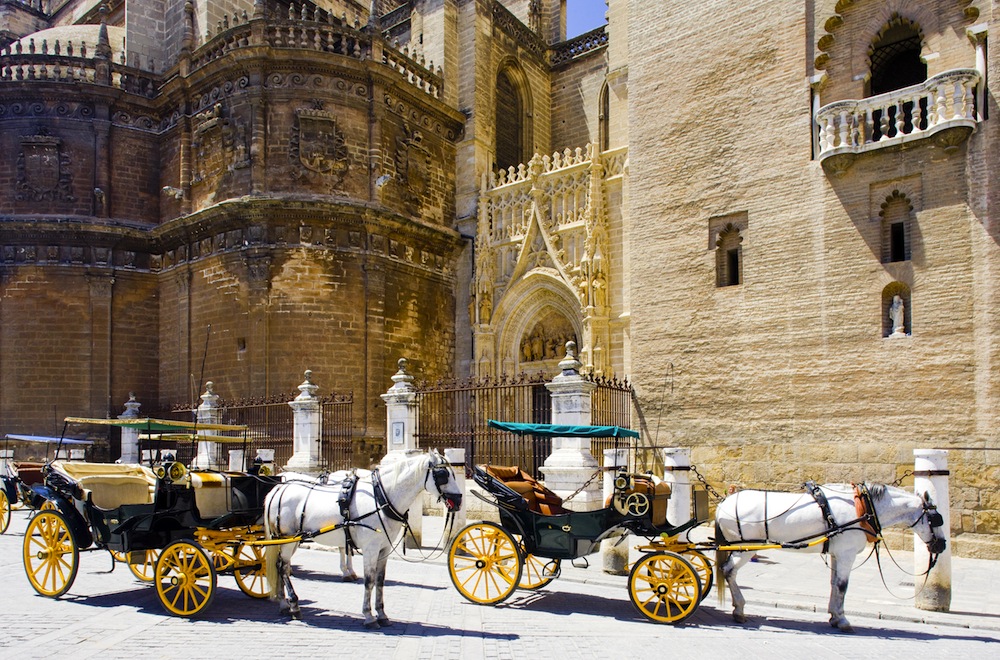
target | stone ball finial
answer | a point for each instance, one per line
(570, 366)
(402, 363)
(309, 375)
(209, 387)
(571, 348)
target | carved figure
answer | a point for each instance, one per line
(897, 315)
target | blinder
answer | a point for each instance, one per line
(441, 475)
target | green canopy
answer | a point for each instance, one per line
(564, 431)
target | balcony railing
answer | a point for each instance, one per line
(942, 102)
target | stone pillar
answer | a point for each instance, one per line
(614, 552)
(456, 458)
(130, 437)
(401, 425)
(930, 475)
(208, 413)
(306, 442)
(677, 473)
(571, 465)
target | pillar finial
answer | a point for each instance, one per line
(570, 366)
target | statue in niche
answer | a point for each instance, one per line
(897, 315)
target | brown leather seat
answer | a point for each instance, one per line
(539, 498)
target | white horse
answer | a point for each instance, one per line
(310, 510)
(796, 521)
(333, 480)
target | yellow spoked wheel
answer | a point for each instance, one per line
(4, 510)
(537, 572)
(48, 505)
(146, 570)
(250, 571)
(703, 567)
(185, 578)
(664, 587)
(51, 557)
(484, 563)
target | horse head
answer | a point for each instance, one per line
(445, 484)
(928, 527)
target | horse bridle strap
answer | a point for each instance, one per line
(382, 500)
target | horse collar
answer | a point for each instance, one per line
(865, 509)
(382, 500)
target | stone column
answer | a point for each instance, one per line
(677, 473)
(401, 424)
(571, 465)
(208, 413)
(614, 552)
(130, 437)
(930, 475)
(456, 458)
(306, 442)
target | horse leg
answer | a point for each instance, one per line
(383, 560)
(840, 571)
(370, 564)
(729, 570)
(347, 573)
(288, 600)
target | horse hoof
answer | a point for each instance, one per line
(349, 578)
(384, 623)
(371, 625)
(845, 627)
(739, 618)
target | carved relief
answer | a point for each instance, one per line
(413, 162)
(547, 339)
(43, 172)
(216, 135)
(318, 147)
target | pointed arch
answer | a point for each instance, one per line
(894, 56)
(512, 135)
(604, 118)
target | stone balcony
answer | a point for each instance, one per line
(942, 107)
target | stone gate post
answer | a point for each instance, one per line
(130, 437)
(208, 413)
(571, 464)
(306, 436)
(401, 425)
(930, 475)
(677, 473)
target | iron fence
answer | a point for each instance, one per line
(454, 413)
(271, 424)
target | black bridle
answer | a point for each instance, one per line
(442, 474)
(937, 544)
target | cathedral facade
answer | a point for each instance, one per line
(776, 221)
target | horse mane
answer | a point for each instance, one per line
(877, 491)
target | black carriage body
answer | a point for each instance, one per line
(173, 514)
(570, 534)
(9, 485)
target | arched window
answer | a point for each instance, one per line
(895, 63)
(895, 58)
(509, 123)
(896, 228)
(603, 119)
(729, 257)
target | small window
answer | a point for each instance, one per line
(729, 257)
(896, 221)
(897, 252)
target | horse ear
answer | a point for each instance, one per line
(927, 497)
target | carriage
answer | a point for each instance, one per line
(175, 526)
(18, 476)
(488, 561)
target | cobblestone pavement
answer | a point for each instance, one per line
(112, 615)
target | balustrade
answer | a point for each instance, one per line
(946, 100)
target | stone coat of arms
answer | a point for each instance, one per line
(43, 172)
(318, 146)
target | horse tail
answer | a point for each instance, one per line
(721, 557)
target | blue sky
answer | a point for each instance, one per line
(583, 16)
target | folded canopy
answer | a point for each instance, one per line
(158, 425)
(47, 439)
(564, 431)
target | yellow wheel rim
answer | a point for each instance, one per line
(146, 570)
(48, 505)
(185, 579)
(4, 510)
(537, 572)
(51, 557)
(703, 567)
(250, 571)
(664, 587)
(484, 563)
